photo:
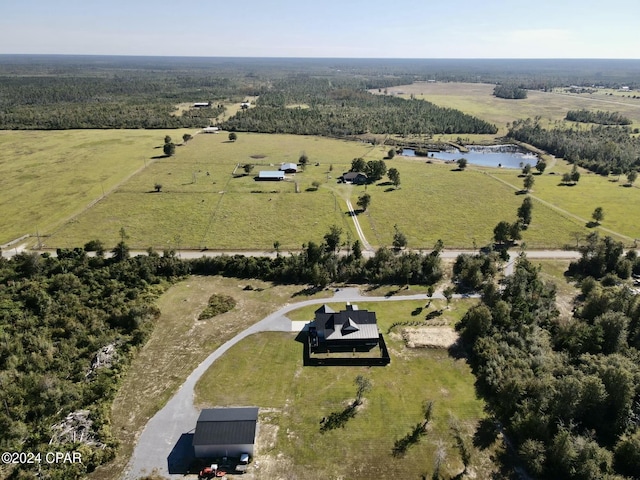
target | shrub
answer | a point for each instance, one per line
(218, 304)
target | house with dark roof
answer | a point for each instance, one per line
(347, 329)
(357, 178)
(225, 432)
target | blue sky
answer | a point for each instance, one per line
(327, 28)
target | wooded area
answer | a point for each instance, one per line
(565, 391)
(601, 149)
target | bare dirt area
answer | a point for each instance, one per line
(429, 337)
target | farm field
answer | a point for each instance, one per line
(207, 201)
(50, 176)
(294, 399)
(477, 99)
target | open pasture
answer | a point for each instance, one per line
(295, 398)
(619, 202)
(477, 99)
(50, 176)
(207, 200)
(437, 202)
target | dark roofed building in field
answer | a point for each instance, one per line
(225, 432)
(357, 178)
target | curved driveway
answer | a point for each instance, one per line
(178, 417)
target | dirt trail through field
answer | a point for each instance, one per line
(562, 210)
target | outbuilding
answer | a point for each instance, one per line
(289, 167)
(225, 432)
(273, 175)
(356, 178)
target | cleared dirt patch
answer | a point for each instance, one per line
(429, 337)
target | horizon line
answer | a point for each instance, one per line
(301, 58)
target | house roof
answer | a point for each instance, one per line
(226, 426)
(353, 175)
(271, 174)
(349, 324)
(289, 166)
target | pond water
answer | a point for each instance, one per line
(507, 156)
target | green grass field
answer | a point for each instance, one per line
(50, 176)
(295, 398)
(208, 201)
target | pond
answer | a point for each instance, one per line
(507, 156)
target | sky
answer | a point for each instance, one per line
(325, 28)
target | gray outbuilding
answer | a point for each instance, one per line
(225, 432)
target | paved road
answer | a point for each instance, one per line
(178, 417)
(10, 250)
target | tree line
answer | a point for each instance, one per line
(601, 149)
(343, 112)
(565, 391)
(510, 91)
(599, 117)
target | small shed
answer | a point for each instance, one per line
(273, 175)
(289, 167)
(210, 130)
(225, 432)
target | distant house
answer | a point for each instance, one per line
(357, 178)
(225, 432)
(270, 175)
(202, 104)
(210, 130)
(289, 167)
(351, 328)
(245, 105)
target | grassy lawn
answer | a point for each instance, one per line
(294, 399)
(177, 346)
(50, 176)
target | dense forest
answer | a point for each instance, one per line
(68, 327)
(128, 101)
(347, 111)
(64, 92)
(564, 391)
(601, 149)
(599, 117)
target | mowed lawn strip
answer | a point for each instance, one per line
(49, 176)
(296, 398)
(177, 346)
